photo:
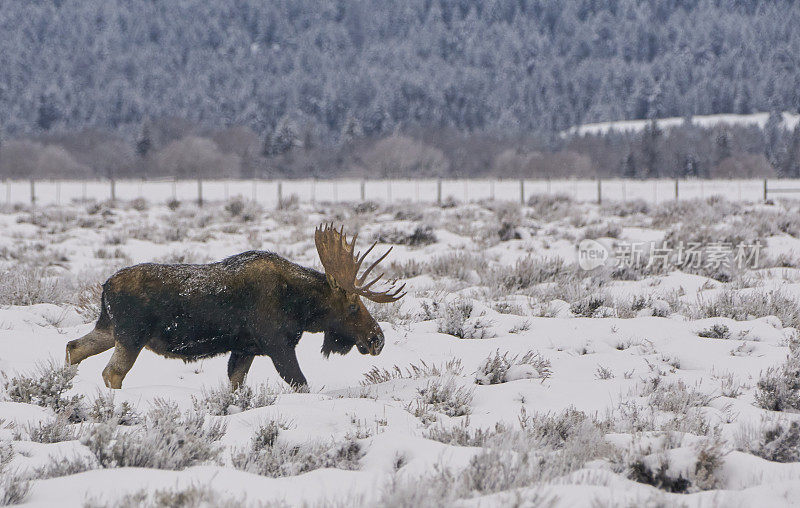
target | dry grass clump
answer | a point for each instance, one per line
(497, 368)
(377, 375)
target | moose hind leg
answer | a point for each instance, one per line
(238, 366)
(289, 369)
(93, 343)
(121, 362)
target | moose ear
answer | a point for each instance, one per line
(332, 282)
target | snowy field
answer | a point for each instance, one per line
(510, 376)
(268, 193)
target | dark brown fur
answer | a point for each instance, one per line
(254, 303)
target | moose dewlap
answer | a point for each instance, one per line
(253, 303)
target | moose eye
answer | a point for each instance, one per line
(353, 308)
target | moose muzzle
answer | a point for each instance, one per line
(373, 346)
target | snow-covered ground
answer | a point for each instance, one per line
(509, 374)
(790, 120)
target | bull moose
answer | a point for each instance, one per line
(253, 303)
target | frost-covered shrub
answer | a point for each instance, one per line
(166, 440)
(526, 272)
(462, 434)
(442, 396)
(550, 207)
(64, 466)
(104, 409)
(741, 307)
(605, 230)
(587, 307)
(775, 441)
(14, 487)
(716, 331)
(53, 431)
(420, 236)
(674, 397)
(267, 456)
(778, 389)
(512, 458)
(654, 467)
(458, 265)
(223, 401)
(29, 285)
(247, 211)
(498, 368)
(88, 301)
(455, 318)
(47, 387)
(406, 270)
(194, 496)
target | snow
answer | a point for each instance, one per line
(632, 349)
(790, 120)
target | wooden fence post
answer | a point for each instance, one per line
(199, 192)
(765, 189)
(33, 192)
(439, 191)
(599, 191)
(522, 192)
(676, 189)
(113, 190)
(280, 195)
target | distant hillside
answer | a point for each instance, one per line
(338, 69)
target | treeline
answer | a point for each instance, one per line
(341, 68)
(183, 149)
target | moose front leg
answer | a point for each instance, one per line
(238, 366)
(286, 364)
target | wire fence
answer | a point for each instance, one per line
(274, 192)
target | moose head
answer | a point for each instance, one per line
(349, 322)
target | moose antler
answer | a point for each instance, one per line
(340, 263)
